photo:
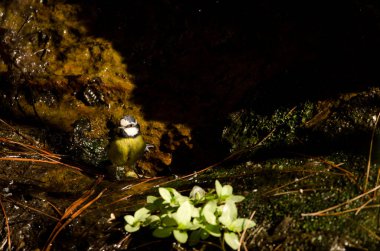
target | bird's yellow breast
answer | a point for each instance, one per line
(126, 151)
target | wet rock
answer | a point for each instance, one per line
(83, 146)
(346, 122)
(90, 93)
(26, 161)
(55, 73)
(281, 127)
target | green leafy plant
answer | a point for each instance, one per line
(192, 218)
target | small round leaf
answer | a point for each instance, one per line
(226, 191)
(165, 194)
(232, 240)
(197, 193)
(180, 236)
(236, 198)
(130, 219)
(183, 215)
(168, 221)
(209, 212)
(229, 213)
(142, 214)
(131, 229)
(151, 199)
(162, 232)
(195, 237)
(218, 188)
(213, 230)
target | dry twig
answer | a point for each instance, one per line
(244, 232)
(70, 214)
(322, 212)
(370, 153)
(7, 225)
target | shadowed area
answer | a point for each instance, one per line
(195, 62)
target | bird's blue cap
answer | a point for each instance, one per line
(128, 120)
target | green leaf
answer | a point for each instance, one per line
(213, 230)
(197, 223)
(195, 212)
(193, 227)
(211, 195)
(218, 188)
(236, 225)
(249, 224)
(131, 229)
(130, 219)
(195, 237)
(174, 192)
(232, 240)
(205, 234)
(162, 232)
(171, 196)
(180, 236)
(183, 215)
(151, 219)
(229, 213)
(197, 193)
(208, 212)
(142, 214)
(155, 203)
(240, 224)
(151, 199)
(165, 194)
(168, 221)
(179, 200)
(226, 191)
(236, 198)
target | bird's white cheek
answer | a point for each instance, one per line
(131, 131)
(123, 122)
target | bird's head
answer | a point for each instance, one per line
(128, 121)
(129, 128)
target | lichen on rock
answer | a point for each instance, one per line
(58, 74)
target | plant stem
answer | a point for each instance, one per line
(222, 244)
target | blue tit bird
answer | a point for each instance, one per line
(128, 146)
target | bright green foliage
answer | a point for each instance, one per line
(225, 193)
(201, 214)
(232, 240)
(141, 217)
